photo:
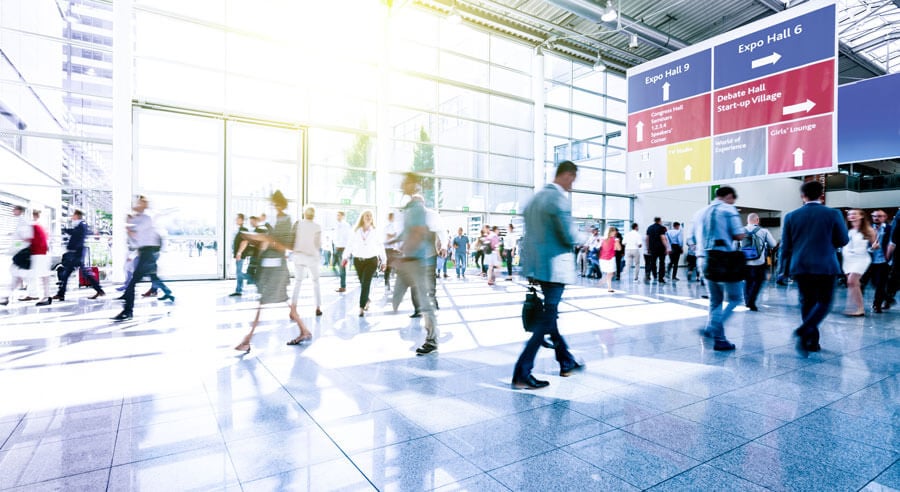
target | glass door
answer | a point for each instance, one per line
(178, 167)
(259, 160)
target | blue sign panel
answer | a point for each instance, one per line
(739, 155)
(869, 120)
(679, 79)
(804, 39)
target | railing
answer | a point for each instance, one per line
(862, 183)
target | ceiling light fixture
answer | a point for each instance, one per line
(599, 66)
(610, 14)
(454, 17)
(634, 41)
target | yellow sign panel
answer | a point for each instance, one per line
(689, 163)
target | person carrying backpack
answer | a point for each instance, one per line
(755, 247)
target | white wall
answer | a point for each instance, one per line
(888, 199)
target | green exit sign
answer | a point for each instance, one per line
(345, 201)
(590, 216)
(465, 209)
(712, 191)
(512, 210)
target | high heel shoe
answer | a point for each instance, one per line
(854, 314)
(244, 346)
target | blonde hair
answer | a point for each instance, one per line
(865, 227)
(359, 223)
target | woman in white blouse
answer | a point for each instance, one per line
(367, 250)
(307, 258)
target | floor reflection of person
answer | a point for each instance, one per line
(273, 277)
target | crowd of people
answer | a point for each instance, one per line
(729, 257)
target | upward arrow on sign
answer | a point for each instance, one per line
(666, 91)
(639, 126)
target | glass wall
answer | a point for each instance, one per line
(585, 123)
(56, 119)
(259, 99)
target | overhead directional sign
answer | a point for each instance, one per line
(758, 101)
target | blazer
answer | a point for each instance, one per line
(810, 238)
(548, 236)
(77, 235)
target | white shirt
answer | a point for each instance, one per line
(308, 240)
(632, 240)
(391, 231)
(144, 233)
(365, 244)
(766, 236)
(24, 231)
(342, 234)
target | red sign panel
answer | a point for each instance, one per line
(797, 93)
(801, 145)
(671, 123)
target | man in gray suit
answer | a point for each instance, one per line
(548, 260)
(810, 238)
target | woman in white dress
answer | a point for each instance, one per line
(856, 259)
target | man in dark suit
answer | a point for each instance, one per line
(810, 238)
(548, 260)
(74, 258)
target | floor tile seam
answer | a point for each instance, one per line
(610, 472)
(552, 448)
(878, 446)
(165, 454)
(112, 456)
(814, 458)
(318, 424)
(56, 478)
(13, 431)
(743, 439)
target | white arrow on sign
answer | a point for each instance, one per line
(639, 126)
(738, 166)
(687, 172)
(666, 91)
(796, 108)
(766, 60)
(798, 157)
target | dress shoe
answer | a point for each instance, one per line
(58, 297)
(235, 294)
(341, 289)
(877, 309)
(149, 293)
(28, 298)
(120, 298)
(124, 315)
(318, 312)
(97, 295)
(529, 383)
(753, 308)
(45, 302)
(167, 297)
(426, 348)
(676, 279)
(415, 315)
(571, 370)
(723, 346)
(5, 301)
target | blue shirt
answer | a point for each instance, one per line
(461, 243)
(414, 216)
(674, 236)
(721, 223)
(878, 254)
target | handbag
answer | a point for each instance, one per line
(725, 266)
(531, 309)
(22, 259)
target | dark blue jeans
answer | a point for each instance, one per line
(146, 267)
(546, 325)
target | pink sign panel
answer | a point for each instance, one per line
(801, 145)
(684, 120)
(798, 93)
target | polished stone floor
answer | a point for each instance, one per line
(162, 402)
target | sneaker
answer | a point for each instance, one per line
(167, 297)
(124, 315)
(427, 348)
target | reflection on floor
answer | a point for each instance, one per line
(162, 402)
